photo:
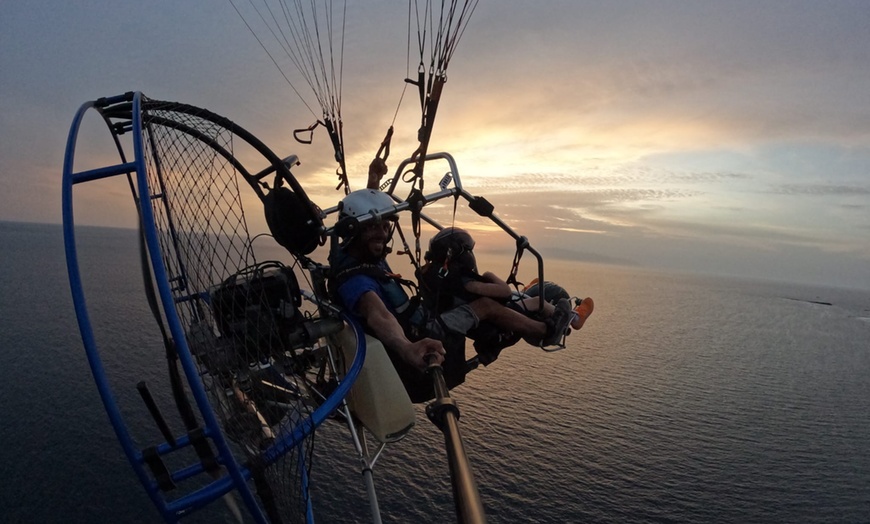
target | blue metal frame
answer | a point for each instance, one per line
(237, 477)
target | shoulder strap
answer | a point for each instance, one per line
(442, 290)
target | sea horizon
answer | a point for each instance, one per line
(684, 398)
(593, 259)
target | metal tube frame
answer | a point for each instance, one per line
(238, 475)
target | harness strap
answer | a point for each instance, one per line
(406, 250)
(522, 244)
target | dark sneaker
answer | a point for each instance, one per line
(558, 324)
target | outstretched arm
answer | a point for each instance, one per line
(388, 330)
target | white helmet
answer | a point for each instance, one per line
(364, 201)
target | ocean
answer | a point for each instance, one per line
(685, 398)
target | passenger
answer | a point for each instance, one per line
(367, 287)
(450, 279)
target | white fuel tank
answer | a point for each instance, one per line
(377, 399)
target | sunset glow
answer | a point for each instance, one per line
(703, 136)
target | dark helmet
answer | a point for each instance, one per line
(552, 292)
(453, 247)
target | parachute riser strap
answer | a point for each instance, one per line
(406, 250)
(420, 82)
(416, 201)
(378, 166)
(429, 111)
(430, 108)
(385, 146)
(334, 128)
(444, 270)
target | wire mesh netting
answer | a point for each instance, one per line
(242, 317)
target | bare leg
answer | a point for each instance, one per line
(489, 310)
(582, 312)
(531, 305)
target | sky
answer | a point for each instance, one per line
(714, 137)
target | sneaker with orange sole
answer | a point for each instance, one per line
(582, 311)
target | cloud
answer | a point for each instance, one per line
(819, 190)
(742, 123)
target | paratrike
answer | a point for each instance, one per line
(256, 362)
